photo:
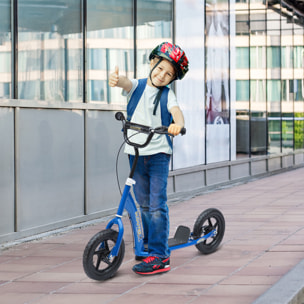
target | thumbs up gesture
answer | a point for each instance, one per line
(120, 81)
(114, 78)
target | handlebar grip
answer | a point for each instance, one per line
(183, 131)
(119, 116)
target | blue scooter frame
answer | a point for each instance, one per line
(101, 260)
(127, 203)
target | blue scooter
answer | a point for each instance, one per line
(104, 252)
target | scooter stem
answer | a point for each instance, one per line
(134, 162)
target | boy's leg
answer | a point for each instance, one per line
(159, 222)
(159, 252)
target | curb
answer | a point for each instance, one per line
(288, 290)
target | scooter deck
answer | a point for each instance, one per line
(181, 236)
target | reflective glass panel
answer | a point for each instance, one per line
(274, 92)
(242, 75)
(217, 98)
(298, 83)
(5, 49)
(50, 50)
(258, 38)
(287, 82)
(154, 26)
(190, 90)
(109, 43)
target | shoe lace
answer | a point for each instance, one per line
(149, 259)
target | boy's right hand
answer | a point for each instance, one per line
(114, 78)
(120, 81)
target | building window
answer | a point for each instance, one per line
(242, 90)
(110, 42)
(154, 25)
(5, 50)
(50, 51)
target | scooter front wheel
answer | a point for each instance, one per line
(209, 221)
(96, 261)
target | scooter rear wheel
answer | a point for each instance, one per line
(209, 220)
(96, 262)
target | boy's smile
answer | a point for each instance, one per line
(163, 73)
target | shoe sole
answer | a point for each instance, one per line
(154, 272)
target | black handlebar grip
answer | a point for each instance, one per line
(119, 116)
(183, 131)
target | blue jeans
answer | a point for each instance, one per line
(150, 191)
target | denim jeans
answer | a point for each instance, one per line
(150, 191)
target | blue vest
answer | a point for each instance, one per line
(166, 117)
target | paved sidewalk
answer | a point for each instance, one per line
(263, 242)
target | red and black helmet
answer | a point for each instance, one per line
(175, 55)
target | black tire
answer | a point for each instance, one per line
(96, 263)
(207, 221)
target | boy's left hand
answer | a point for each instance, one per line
(174, 129)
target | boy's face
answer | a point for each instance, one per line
(163, 74)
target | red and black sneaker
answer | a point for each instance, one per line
(152, 265)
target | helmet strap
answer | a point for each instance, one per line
(158, 95)
(150, 75)
(157, 99)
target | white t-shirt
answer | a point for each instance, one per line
(143, 115)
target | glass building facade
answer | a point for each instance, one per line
(242, 98)
(64, 51)
(269, 78)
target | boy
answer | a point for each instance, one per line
(167, 63)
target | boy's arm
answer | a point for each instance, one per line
(178, 118)
(123, 82)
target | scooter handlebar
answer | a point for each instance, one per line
(142, 129)
(119, 116)
(161, 130)
(183, 131)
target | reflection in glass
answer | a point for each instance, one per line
(298, 83)
(273, 57)
(50, 50)
(274, 134)
(287, 134)
(242, 80)
(109, 44)
(217, 64)
(274, 115)
(299, 130)
(298, 50)
(287, 84)
(154, 26)
(242, 55)
(258, 53)
(242, 91)
(5, 49)
(258, 60)
(217, 96)
(274, 92)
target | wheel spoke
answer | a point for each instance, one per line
(107, 247)
(98, 253)
(209, 222)
(102, 255)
